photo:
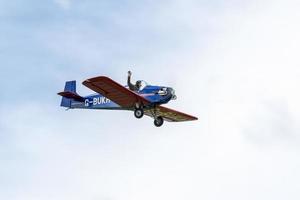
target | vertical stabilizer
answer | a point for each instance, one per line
(70, 86)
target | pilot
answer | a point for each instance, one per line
(133, 87)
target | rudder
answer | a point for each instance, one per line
(70, 86)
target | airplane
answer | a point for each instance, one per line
(111, 95)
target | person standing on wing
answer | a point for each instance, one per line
(133, 87)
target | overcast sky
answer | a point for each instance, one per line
(234, 64)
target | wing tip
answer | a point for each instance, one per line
(94, 79)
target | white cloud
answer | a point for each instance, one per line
(258, 74)
(65, 4)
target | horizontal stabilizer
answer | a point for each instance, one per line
(71, 95)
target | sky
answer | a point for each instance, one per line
(234, 64)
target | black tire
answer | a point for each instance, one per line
(138, 113)
(159, 121)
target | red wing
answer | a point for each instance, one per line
(114, 91)
(171, 115)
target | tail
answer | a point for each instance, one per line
(69, 94)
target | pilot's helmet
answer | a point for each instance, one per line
(138, 84)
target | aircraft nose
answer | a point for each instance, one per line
(172, 93)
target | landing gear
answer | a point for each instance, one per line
(159, 121)
(138, 113)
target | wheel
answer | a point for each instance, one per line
(138, 113)
(158, 121)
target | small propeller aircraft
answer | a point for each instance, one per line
(110, 95)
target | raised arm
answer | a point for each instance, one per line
(130, 85)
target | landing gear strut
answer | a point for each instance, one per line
(158, 121)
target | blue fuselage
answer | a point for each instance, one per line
(157, 95)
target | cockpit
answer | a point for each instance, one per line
(162, 91)
(143, 84)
